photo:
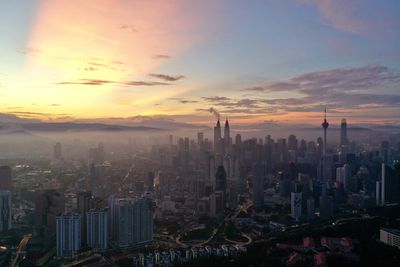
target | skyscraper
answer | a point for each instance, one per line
(296, 205)
(258, 185)
(134, 221)
(310, 208)
(48, 205)
(97, 229)
(5, 210)
(325, 125)
(57, 151)
(200, 139)
(68, 234)
(227, 137)
(217, 135)
(220, 179)
(84, 200)
(383, 185)
(5, 178)
(343, 176)
(325, 206)
(343, 133)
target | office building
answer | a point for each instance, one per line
(296, 205)
(258, 185)
(48, 205)
(325, 206)
(343, 175)
(5, 178)
(5, 211)
(310, 209)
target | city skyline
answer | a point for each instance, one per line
(269, 61)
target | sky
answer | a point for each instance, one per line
(188, 60)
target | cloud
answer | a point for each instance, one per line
(161, 56)
(86, 82)
(128, 27)
(183, 100)
(30, 51)
(358, 17)
(371, 85)
(104, 82)
(144, 83)
(167, 78)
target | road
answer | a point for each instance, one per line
(20, 250)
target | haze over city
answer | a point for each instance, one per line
(171, 133)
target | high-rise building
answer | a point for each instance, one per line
(48, 205)
(292, 142)
(217, 204)
(5, 210)
(296, 205)
(343, 133)
(57, 153)
(310, 208)
(68, 235)
(383, 185)
(217, 135)
(97, 229)
(220, 179)
(133, 218)
(200, 139)
(163, 183)
(343, 175)
(227, 137)
(258, 185)
(325, 206)
(380, 187)
(150, 182)
(5, 178)
(325, 125)
(84, 203)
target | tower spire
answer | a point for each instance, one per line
(325, 125)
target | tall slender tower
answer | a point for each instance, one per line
(217, 134)
(343, 133)
(227, 136)
(325, 125)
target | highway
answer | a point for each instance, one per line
(20, 250)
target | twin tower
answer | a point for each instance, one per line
(222, 145)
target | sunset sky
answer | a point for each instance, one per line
(253, 61)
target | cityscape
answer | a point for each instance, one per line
(185, 200)
(174, 133)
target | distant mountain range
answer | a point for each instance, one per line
(11, 124)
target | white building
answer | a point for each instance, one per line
(97, 229)
(5, 210)
(390, 237)
(68, 234)
(295, 204)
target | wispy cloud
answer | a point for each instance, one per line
(168, 78)
(337, 88)
(183, 100)
(128, 27)
(104, 82)
(161, 56)
(357, 16)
